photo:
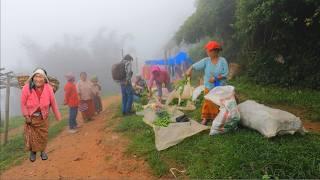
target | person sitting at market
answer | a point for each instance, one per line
(160, 77)
(139, 87)
(216, 71)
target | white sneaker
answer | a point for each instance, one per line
(72, 131)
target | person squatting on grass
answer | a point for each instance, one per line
(71, 99)
(36, 99)
(97, 94)
(139, 86)
(85, 90)
(216, 71)
(160, 77)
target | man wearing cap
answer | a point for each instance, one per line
(216, 71)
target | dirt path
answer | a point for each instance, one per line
(95, 152)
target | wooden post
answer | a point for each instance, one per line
(6, 124)
(137, 70)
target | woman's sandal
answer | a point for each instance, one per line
(204, 122)
(43, 156)
(33, 156)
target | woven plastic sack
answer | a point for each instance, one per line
(228, 117)
(217, 94)
(268, 121)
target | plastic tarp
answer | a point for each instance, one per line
(166, 137)
(179, 58)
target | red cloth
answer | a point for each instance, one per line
(71, 95)
(39, 92)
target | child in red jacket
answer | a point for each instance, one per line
(72, 100)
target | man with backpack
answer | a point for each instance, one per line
(122, 73)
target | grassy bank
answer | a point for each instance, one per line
(13, 152)
(303, 102)
(18, 121)
(241, 154)
(14, 122)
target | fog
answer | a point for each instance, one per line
(84, 35)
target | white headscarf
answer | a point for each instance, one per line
(38, 71)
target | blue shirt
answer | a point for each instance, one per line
(212, 70)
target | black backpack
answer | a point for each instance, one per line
(119, 71)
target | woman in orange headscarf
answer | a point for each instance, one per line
(215, 70)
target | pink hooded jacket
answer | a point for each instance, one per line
(30, 102)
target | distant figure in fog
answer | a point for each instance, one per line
(85, 90)
(96, 94)
(71, 99)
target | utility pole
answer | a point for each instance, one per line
(137, 70)
(6, 124)
(122, 53)
(6, 81)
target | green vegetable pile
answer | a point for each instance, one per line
(175, 101)
(138, 107)
(163, 119)
(180, 84)
(200, 100)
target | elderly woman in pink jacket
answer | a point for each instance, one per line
(36, 99)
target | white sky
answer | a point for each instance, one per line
(151, 22)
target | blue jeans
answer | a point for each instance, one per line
(136, 98)
(73, 111)
(127, 98)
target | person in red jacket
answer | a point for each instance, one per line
(72, 100)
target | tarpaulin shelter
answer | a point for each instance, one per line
(181, 58)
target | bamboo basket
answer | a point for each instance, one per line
(53, 82)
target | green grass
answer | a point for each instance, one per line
(13, 152)
(307, 101)
(18, 121)
(14, 122)
(240, 154)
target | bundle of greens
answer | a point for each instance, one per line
(138, 107)
(175, 101)
(163, 119)
(180, 84)
(199, 100)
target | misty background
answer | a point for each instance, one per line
(84, 35)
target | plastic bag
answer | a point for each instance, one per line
(196, 93)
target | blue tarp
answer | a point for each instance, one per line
(180, 58)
